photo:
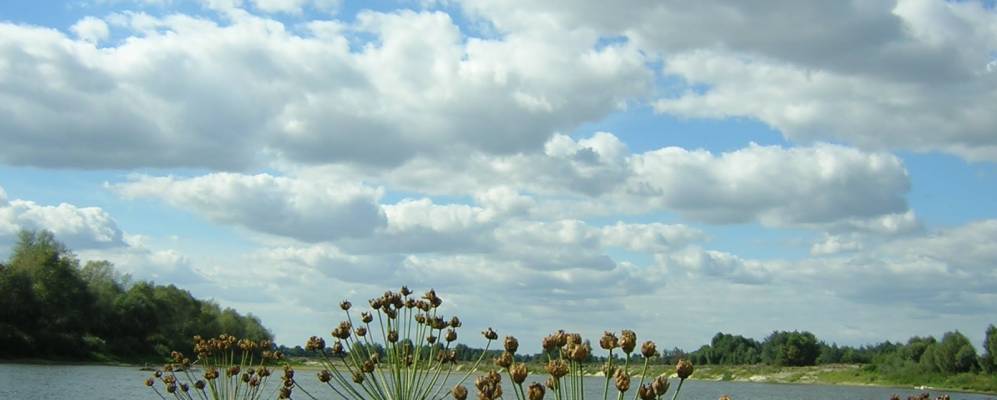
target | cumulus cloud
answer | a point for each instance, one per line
(78, 227)
(308, 211)
(882, 75)
(91, 29)
(246, 91)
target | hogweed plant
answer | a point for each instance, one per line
(225, 369)
(417, 357)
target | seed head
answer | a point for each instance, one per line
(645, 392)
(357, 377)
(451, 335)
(550, 343)
(368, 366)
(345, 305)
(149, 382)
(552, 383)
(490, 334)
(579, 352)
(511, 344)
(660, 385)
(392, 336)
(199, 385)
(648, 349)
(622, 381)
(518, 372)
(683, 369)
(726, 397)
(431, 339)
(455, 322)
(628, 340)
(376, 303)
(504, 360)
(366, 317)
(337, 348)
(171, 388)
(315, 343)
(361, 331)
(536, 391)
(609, 341)
(459, 392)
(324, 376)
(405, 291)
(557, 368)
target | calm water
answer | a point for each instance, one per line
(36, 382)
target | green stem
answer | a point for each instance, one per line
(677, 389)
(642, 373)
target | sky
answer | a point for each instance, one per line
(675, 168)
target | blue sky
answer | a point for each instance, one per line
(577, 163)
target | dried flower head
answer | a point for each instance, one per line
(324, 376)
(609, 369)
(345, 305)
(405, 291)
(490, 334)
(366, 317)
(648, 349)
(726, 397)
(535, 392)
(622, 381)
(150, 382)
(660, 385)
(511, 344)
(683, 369)
(361, 331)
(608, 341)
(459, 392)
(518, 372)
(556, 368)
(455, 322)
(451, 335)
(489, 386)
(504, 360)
(357, 377)
(199, 385)
(645, 392)
(579, 352)
(392, 336)
(628, 341)
(552, 383)
(315, 343)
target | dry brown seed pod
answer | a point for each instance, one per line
(726, 397)
(368, 366)
(490, 334)
(315, 343)
(405, 291)
(455, 322)
(645, 392)
(171, 388)
(150, 382)
(609, 341)
(660, 385)
(504, 360)
(366, 317)
(579, 352)
(357, 377)
(518, 372)
(628, 341)
(199, 385)
(451, 335)
(345, 305)
(324, 376)
(361, 331)
(552, 383)
(459, 392)
(535, 392)
(431, 339)
(622, 381)
(392, 336)
(550, 343)
(556, 368)
(648, 349)
(511, 344)
(683, 369)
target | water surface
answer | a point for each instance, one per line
(85, 382)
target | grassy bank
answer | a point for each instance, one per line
(846, 374)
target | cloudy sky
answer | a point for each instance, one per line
(677, 169)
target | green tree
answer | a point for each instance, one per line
(790, 348)
(989, 359)
(954, 354)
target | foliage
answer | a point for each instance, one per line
(54, 307)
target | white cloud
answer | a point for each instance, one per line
(308, 211)
(243, 93)
(91, 30)
(78, 227)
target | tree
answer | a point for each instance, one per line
(790, 348)
(989, 359)
(954, 354)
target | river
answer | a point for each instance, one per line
(85, 382)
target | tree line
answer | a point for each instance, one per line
(952, 354)
(51, 306)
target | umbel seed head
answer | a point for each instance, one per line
(536, 391)
(660, 385)
(511, 344)
(459, 392)
(628, 341)
(648, 349)
(622, 381)
(683, 369)
(518, 372)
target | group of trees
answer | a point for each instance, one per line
(51, 306)
(954, 353)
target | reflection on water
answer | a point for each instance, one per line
(48, 382)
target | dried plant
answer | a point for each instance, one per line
(230, 369)
(417, 359)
